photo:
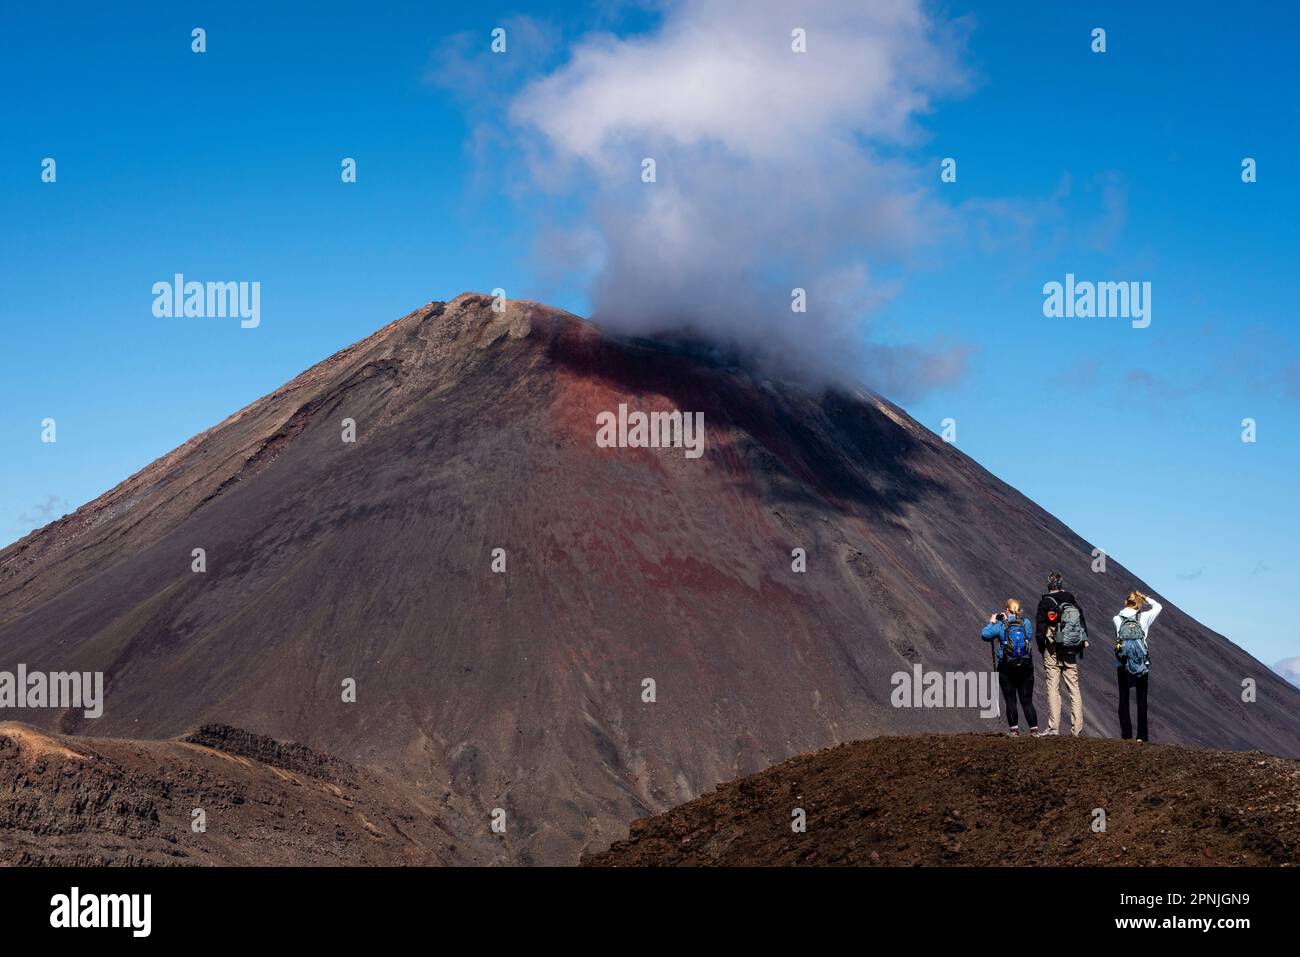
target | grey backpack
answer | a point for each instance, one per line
(1069, 632)
(1131, 647)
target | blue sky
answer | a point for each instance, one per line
(1116, 166)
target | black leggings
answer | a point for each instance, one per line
(1139, 683)
(1018, 681)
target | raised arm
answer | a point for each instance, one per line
(1148, 617)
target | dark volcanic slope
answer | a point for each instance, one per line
(522, 691)
(97, 802)
(982, 800)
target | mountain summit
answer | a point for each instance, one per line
(522, 625)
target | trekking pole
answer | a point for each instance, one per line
(993, 650)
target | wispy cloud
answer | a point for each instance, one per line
(42, 513)
(464, 65)
(1038, 228)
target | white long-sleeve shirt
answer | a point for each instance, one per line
(1145, 618)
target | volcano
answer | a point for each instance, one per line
(478, 604)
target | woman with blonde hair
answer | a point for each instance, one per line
(1012, 635)
(1132, 659)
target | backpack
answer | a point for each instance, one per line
(1131, 647)
(1069, 632)
(1015, 642)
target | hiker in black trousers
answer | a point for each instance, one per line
(1133, 662)
(1012, 636)
(1017, 681)
(1139, 684)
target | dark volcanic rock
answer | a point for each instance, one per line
(290, 756)
(979, 800)
(103, 802)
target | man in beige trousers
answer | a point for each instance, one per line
(1059, 615)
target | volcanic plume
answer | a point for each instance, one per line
(498, 589)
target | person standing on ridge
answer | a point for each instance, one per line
(1132, 660)
(1062, 637)
(1012, 635)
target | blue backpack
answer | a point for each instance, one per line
(1131, 647)
(1015, 641)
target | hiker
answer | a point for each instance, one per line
(1133, 663)
(1012, 636)
(1062, 637)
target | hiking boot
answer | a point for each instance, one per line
(1035, 733)
(1014, 732)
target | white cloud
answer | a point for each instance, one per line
(724, 73)
(775, 170)
(1289, 668)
